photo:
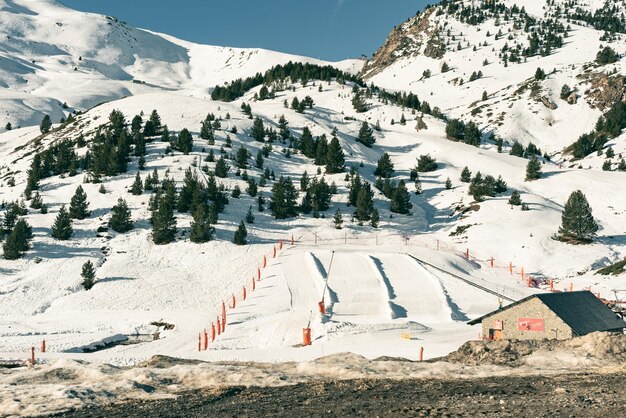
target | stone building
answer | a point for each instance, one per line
(550, 316)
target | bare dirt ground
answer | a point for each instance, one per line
(580, 395)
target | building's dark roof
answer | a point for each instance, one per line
(582, 311)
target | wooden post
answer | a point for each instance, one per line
(32, 356)
(43, 346)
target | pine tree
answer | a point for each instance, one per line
(517, 149)
(221, 168)
(184, 142)
(359, 104)
(364, 203)
(45, 125)
(259, 160)
(466, 175)
(577, 221)
(164, 222)
(385, 167)
(258, 130)
(304, 181)
(242, 158)
(89, 275)
(201, 229)
(366, 135)
(448, 183)
(241, 235)
(155, 121)
(400, 200)
(37, 201)
(79, 204)
(515, 199)
(137, 187)
(250, 216)
(402, 120)
(62, 227)
(338, 219)
(283, 199)
(533, 169)
(375, 218)
(121, 217)
(17, 241)
(426, 163)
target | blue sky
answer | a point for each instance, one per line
(326, 29)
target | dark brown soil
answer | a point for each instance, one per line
(579, 395)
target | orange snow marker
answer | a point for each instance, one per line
(551, 285)
(224, 323)
(32, 356)
(206, 340)
(292, 240)
(200, 342)
(212, 332)
(234, 302)
(522, 273)
(491, 262)
(511, 267)
(571, 287)
(322, 307)
(280, 244)
(244, 293)
(264, 261)
(528, 280)
(43, 345)
(219, 326)
(223, 309)
(306, 336)
(274, 256)
(467, 253)
(258, 274)
(253, 284)
(421, 354)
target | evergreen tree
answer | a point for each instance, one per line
(259, 160)
(283, 129)
(121, 217)
(385, 167)
(155, 121)
(79, 204)
(335, 159)
(533, 169)
(37, 201)
(364, 203)
(46, 124)
(221, 168)
(241, 235)
(242, 158)
(62, 227)
(137, 187)
(252, 188)
(500, 185)
(577, 221)
(258, 130)
(375, 218)
(338, 219)
(184, 142)
(304, 181)
(201, 229)
(250, 216)
(400, 200)
(448, 183)
(515, 199)
(359, 104)
(466, 175)
(283, 199)
(135, 125)
(426, 163)
(366, 135)
(89, 275)
(163, 221)
(517, 149)
(17, 241)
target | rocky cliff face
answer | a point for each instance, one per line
(418, 35)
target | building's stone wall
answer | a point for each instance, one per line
(554, 327)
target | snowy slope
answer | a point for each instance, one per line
(512, 110)
(50, 55)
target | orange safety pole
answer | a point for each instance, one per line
(244, 293)
(571, 287)
(292, 240)
(511, 267)
(43, 346)
(212, 332)
(219, 326)
(491, 262)
(528, 280)
(200, 342)
(467, 253)
(306, 336)
(224, 323)
(223, 309)
(280, 244)
(253, 284)
(264, 261)
(234, 302)
(322, 307)
(421, 354)
(258, 274)
(206, 340)
(522, 273)
(32, 356)
(274, 255)
(551, 285)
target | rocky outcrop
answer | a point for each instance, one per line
(547, 102)
(605, 90)
(416, 36)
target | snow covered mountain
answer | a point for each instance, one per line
(51, 55)
(456, 255)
